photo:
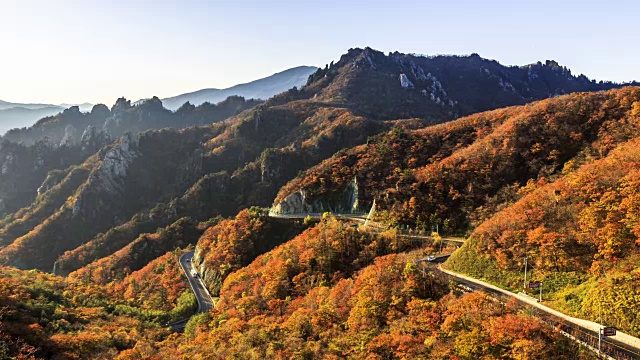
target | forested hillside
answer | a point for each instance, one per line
(112, 209)
(143, 182)
(28, 155)
(333, 292)
(552, 181)
(299, 300)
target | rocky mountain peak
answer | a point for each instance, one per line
(401, 85)
(121, 104)
(100, 110)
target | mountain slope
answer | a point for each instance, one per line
(333, 292)
(258, 89)
(440, 87)
(69, 138)
(450, 172)
(579, 232)
(68, 127)
(150, 181)
(555, 181)
(116, 215)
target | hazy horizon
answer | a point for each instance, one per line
(92, 52)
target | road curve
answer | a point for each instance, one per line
(205, 301)
(629, 345)
(363, 218)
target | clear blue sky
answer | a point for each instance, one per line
(95, 51)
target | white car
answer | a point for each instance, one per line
(431, 258)
(194, 273)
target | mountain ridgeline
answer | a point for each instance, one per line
(68, 127)
(438, 88)
(69, 138)
(15, 115)
(108, 199)
(96, 204)
(258, 89)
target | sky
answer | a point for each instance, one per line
(69, 51)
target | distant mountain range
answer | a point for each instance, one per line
(259, 89)
(4, 105)
(16, 115)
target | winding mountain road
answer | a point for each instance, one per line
(370, 225)
(205, 301)
(620, 346)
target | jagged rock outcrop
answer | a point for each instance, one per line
(108, 180)
(100, 111)
(72, 111)
(92, 137)
(270, 165)
(342, 202)
(405, 82)
(53, 178)
(112, 125)
(121, 105)
(9, 161)
(69, 138)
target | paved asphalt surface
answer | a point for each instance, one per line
(621, 346)
(616, 349)
(205, 302)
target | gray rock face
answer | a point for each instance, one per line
(69, 138)
(7, 164)
(3, 209)
(88, 134)
(405, 82)
(211, 276)
(299, 202)
(270, 166)
(108, 179)
(92, 136)
(258, 121)
(111, 124)
(52, 179)
(198, 260)
(115, 163)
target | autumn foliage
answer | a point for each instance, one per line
(387, 310)
(459, 173)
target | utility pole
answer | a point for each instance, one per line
(540, 292)
(600, 325)
(525, 273)
(599, 339)
(600, 311)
